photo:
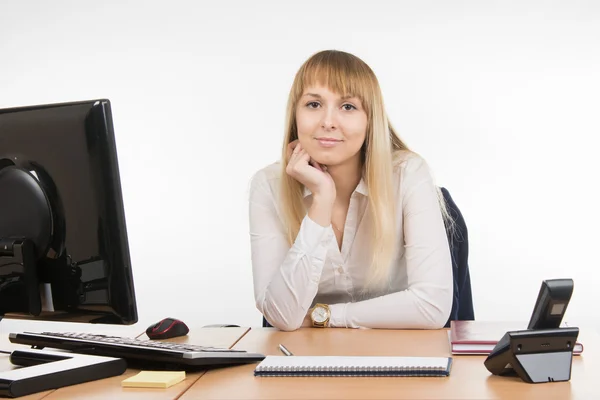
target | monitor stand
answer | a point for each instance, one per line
(45, 370)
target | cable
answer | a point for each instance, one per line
(5, 352)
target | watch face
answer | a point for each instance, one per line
(319, 314)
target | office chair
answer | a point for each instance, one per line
(458, 239)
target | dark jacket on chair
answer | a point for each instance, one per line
(458, 238)
(462, 302)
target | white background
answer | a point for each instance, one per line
(502, 98)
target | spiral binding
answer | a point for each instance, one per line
(348, 371)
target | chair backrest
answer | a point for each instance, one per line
(458, 239)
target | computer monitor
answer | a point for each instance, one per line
(64, 252)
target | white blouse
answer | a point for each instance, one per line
(288, 281)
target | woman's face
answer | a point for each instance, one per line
(332, 129)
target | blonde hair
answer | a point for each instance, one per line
(347, 75)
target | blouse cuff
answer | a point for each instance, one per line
(313, 239)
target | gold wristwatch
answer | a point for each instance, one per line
(320, 315)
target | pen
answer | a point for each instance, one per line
(285, 351)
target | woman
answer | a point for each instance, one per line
(348, 229)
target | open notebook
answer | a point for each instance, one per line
(353, 366)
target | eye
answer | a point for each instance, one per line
(348, 107)
(313, 104)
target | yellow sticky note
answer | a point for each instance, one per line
(154, 379)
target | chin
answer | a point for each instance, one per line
(326, 159)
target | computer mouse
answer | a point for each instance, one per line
(166, 329)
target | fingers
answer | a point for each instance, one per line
(300, 154)
(315, 164)
(297, 150)
(291, 147)
(293, 144)
(304, 157)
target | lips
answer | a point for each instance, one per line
(326, 139)
(328, 142)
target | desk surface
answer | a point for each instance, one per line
(469, 379)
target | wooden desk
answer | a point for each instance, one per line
(111, 388)
(469, 379)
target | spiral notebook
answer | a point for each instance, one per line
(353, 366)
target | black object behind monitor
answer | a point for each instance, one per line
(551, 304)
(62, 222)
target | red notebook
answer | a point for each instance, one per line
(480, 337)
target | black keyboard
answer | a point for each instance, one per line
(138, 352)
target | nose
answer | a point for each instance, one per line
(328, 122)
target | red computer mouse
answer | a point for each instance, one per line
(167, 328)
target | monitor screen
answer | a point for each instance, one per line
(61, 191)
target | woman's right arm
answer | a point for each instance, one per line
(286, 279)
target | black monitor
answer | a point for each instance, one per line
(64, 253)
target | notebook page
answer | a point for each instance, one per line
(353, 361)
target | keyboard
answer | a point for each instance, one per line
(138, 352)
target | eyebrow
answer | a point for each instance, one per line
(318, 96)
